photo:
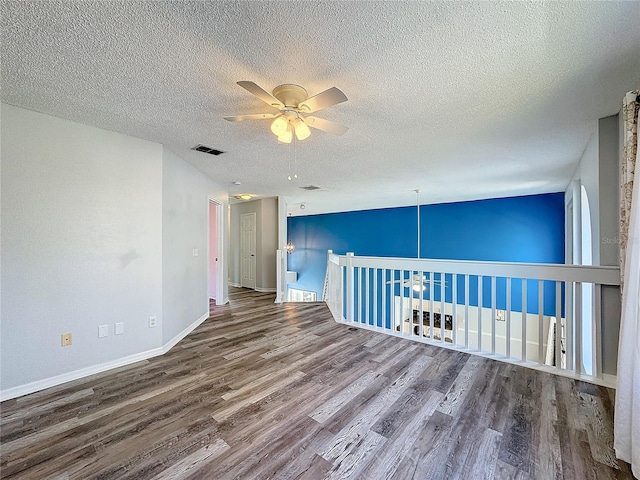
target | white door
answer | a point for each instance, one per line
(213, 252)
(248, 250)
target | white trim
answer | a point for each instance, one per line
(219, 248)
(265, 290)
(171, 343)
(225, 300)
(281, 256)
(604, 275)
(611, 381)
(38, 385)
(237, 285)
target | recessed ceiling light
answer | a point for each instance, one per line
(237, 183)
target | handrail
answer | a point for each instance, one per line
(604, 275)
(544, 313)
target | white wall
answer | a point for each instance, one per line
(185, 224)
(91, 221)
(81, 245)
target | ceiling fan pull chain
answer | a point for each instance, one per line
(295, 157)
(289, 158)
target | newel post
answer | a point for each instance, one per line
(350, 288)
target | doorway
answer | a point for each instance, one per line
(215, 271)
(248, 250)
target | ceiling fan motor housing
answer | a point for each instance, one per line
(290, 95)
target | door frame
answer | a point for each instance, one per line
(219, 298)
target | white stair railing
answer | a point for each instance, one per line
(531, 314)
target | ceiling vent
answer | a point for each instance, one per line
(205, 149)
(310, 188)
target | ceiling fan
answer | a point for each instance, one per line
(294, 104)
(418, 282)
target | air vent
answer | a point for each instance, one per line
(310, 187)
(205, 149)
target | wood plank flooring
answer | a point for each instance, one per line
(262, 391)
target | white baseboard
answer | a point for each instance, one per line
(257, 289)
(172, 343)
(266, 290)
(38, 385)
(76, 374)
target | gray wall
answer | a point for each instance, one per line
(91, 232)
(609, 183)
(266, 211)
(185, 222)
(599, 172)
(81, 245)
(269, 243)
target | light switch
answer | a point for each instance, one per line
(195, 252)
(103, 331)
(119, 328)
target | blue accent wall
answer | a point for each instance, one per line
(516, 229)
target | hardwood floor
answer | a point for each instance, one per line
(281, 391)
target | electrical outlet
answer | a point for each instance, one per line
(103, 331)
(65, 339)
(195, 252)
(119, 328)
(153, 322)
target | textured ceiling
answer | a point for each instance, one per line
(462, 100)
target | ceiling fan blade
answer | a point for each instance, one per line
(253, 116)
(325, 99)
(326, 125)
(261, 93)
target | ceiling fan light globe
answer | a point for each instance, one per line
(286, 137)
(279, 126)
(302, 131)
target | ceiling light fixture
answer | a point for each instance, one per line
(286, 136)
(294, 103)
(301, 129)
(244, 196)
(279, 126)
